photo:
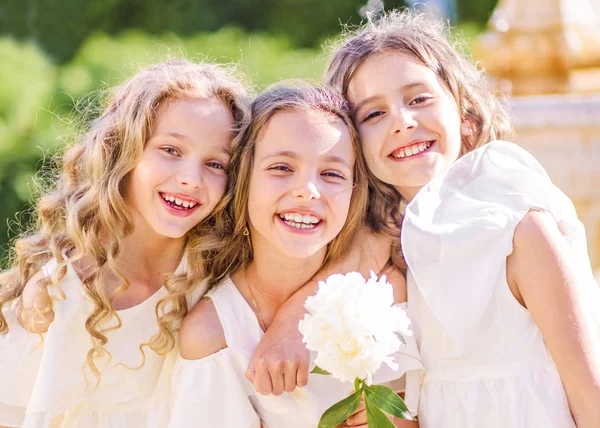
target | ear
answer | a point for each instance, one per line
(466, 128)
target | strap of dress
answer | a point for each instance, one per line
(240, 325)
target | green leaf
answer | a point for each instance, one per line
(401, 337)
(387, 400)
(375, 417)
(358, 384)
(319, 370)
(340, 411)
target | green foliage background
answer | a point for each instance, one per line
(55, 55)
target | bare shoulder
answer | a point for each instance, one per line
(536, 228)
(35, 311)
(201, 332)
(398, 281)
(541, 256)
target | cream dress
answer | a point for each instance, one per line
(214, 392)
(43, 382)
(486, 362)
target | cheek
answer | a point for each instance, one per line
(371, 145)
(218, 185)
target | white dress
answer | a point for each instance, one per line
(42, 382)
(485, 359)
(214, 392)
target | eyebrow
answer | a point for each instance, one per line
(375, 97)
(294, 155)
(185, 139)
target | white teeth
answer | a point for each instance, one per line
(300, 221)
(177, 201)
(412, 150)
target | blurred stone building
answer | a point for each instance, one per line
(545, 54)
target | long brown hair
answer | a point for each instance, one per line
(85, 213)
(428, 41)
(237, 251)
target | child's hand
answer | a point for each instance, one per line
(358, 418)
(280, 361)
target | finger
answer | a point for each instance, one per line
(361, 408)
(302, 373)
(251, 371)
(277, 380)
(357, 419)
(289, 378)
(262, 379)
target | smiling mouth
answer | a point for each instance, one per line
(300, 221)
(177, 203)
(411, 150)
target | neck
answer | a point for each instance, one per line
(274, 278)
(144, 255)
(408, 193)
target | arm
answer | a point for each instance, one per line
(208, 380)
(280, 362)
(201, 332)
(543, 274)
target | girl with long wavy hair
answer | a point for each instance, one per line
(298, 197)
(95, 295)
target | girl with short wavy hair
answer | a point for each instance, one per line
(122, 245)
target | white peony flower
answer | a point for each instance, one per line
(352, 324)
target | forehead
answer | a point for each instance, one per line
(305, 132)
(390, 70)
(202, 119)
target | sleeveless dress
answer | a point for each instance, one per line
(214, 391)
(485, 359)
(42, 378)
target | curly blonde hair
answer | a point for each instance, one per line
(237, 250)
(429, 41)
(85, 213)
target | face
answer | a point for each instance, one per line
(181, 175)
(301, 183)
(407, 119)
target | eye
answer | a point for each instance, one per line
(215, 165)
(372, 115)
(421, 99)
(333, 174)
(170, 150)
(280, 167)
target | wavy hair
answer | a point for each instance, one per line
(430, 42)
(237, 250)
(85, 214)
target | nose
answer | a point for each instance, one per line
(404, 120)
(306, 189)
(190, 176)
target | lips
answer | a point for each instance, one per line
(180, 205)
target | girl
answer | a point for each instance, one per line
(298, 195)
(502, 302)
(118, 255)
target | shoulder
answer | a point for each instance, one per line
(536, 230)
(398, 282)
(540, 250)
(35, 311)
(201, 332)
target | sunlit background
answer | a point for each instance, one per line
(56, 57)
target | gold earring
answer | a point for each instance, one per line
(246, 231)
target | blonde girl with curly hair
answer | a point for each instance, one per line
(94, 297)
